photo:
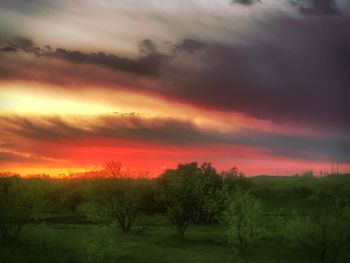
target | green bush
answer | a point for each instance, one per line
(243, 219)
(321, 237)
(116, 199)
(20, 202)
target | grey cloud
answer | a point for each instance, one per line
(296, 70)
(147, 46)
(147, 64)
(174, 132)
(24, 43)
(68, 75)
(19, 157)
(13, 157)
(306, 7)
(245, 2)
(8, 49)
(316, 7)
(30, 6)
(126, 126)
(291, 70)
(190, 46)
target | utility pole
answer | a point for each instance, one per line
(332, 168)
(337, 168)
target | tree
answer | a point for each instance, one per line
(19, 202)
(179, 196)
(120, 199)
(232, 179)
(113, 169)
(320, 236)
(243, 219)
(192, 194)
(125, 205)
(212, 197)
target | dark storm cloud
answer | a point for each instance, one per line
(175, 132)
(147, 46)
(245, 2)
(8, 49)
(316, 7)
(291, 70)
(296, 70)
(306, 7)
(190, 46)
(24, 43)
(147, 64)
(65, 74)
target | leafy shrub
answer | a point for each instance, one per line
(118, 199)
(321, 237)
(19, 203)
(95, 212)
(243, 219)
(192, 194)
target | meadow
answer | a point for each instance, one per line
(188, 214)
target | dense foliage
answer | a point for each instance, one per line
(302, 213)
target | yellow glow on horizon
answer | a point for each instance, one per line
(43, 99)
(52, 171)
(17, 102)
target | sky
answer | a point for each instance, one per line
(258, 84)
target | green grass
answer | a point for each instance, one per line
(69, 237)
(57, 242)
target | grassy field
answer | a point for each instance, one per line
(294, 214)
(91, 243)
(71, 238)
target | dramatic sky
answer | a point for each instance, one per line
(260, 84)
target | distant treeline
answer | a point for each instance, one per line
(250, 208)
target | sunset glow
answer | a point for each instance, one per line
(83, 84)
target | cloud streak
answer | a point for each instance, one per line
(302, 60)
(284, 63)
(20, 157)
(167, 131)
(148, 64)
